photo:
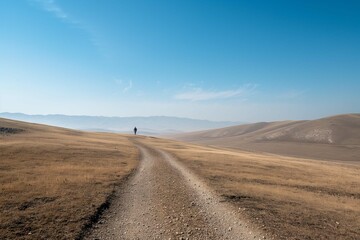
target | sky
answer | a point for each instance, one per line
(242, 61)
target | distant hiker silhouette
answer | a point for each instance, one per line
(135, 130)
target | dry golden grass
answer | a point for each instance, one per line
(292, 198)
(53, 180)
(335, 138)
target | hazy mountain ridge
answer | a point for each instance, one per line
(146, 125)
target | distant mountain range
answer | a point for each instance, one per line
(147, 125)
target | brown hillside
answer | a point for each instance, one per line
(47, 174)
(333, 138)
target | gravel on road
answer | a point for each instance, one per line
(164, 200)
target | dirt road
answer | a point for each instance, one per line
(164, 200)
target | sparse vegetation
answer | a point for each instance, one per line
(335, 138)
(53, 180)
(293, 198)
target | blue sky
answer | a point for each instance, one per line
(218, 60)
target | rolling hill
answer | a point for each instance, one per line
(330, 138)
(49, 173)
(56, 182)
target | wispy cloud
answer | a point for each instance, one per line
(124, 85)
(128, 87)
(54, 9)
(51, 7)
(198, 94)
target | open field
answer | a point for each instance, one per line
(53, 180)
(292, 198)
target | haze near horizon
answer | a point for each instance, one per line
(243, 61)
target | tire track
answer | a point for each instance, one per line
(164, 200)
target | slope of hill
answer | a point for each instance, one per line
(146, 125)
(48, 173)
(333, 138)
(54, 181)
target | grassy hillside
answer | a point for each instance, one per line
(53, 180)
(332, 138)
(292, 198)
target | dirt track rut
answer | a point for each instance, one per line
(164, 200)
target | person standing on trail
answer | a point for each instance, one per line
(135, 130)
